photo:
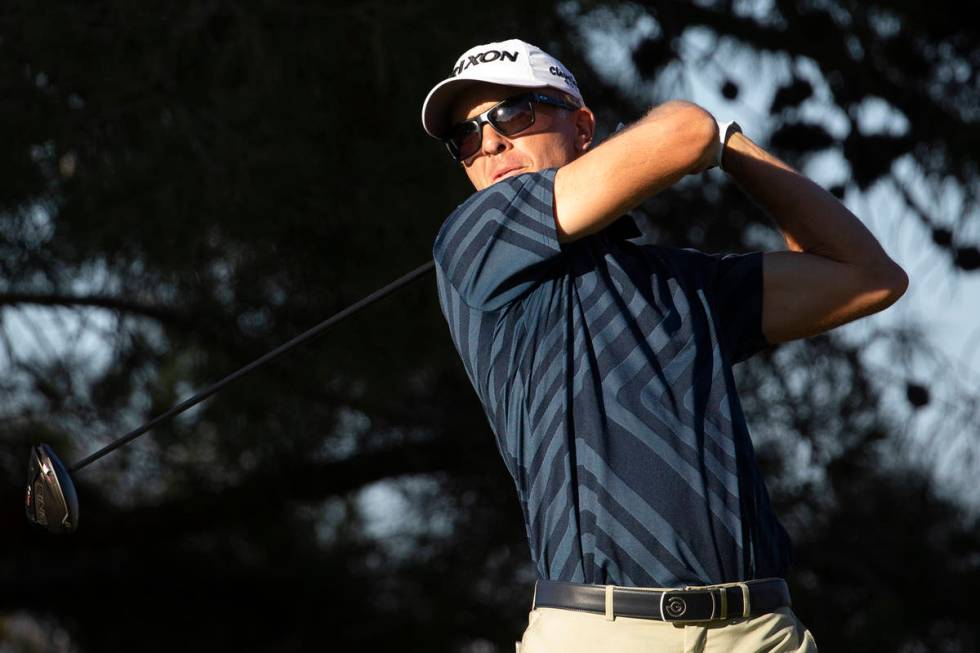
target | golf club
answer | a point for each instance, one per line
(50, 499)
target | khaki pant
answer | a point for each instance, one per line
(552, 630)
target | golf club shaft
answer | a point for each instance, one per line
(259, 362)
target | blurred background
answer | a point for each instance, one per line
(185, 185)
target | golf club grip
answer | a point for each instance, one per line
(259, 362)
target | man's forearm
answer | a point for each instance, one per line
(837, 272)
(810, 218)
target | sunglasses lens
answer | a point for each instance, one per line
(508, 118)
(512, 117)
(464, 141)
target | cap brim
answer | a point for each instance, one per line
(439, 101)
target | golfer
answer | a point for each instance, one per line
(604, 361)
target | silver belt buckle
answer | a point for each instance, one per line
(690, 605)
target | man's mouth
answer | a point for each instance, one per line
(500, 174)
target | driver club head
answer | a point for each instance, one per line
(50, 500)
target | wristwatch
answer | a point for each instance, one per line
(725, 131)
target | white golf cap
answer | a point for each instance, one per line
(509, 63)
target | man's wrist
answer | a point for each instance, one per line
(725, 131)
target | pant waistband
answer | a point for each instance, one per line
(683, 605)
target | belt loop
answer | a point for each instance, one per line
(534, 596)
(610, 613)
(746, 608)
(723, 612)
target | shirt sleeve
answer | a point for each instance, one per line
(735, 287)
(732, 286)
(500, 242)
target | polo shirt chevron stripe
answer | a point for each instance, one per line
(605, 369)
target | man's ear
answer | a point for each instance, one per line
(584, 128)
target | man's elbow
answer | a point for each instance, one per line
(703, 131)
(890, 282)
(696, 127)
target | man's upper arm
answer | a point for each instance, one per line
(806, 294)
(592, 191)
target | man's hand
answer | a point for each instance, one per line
(673, 140)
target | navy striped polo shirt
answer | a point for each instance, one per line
(604, 367)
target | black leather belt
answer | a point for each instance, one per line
(688, 605)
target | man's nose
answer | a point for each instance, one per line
(493, 142)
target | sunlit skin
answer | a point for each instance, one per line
(557, 137)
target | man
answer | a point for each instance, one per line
(604, 363)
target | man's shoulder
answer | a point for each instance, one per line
(526, 186)
(501, 242)
(530, 192)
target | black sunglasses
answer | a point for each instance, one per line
(512, 116)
